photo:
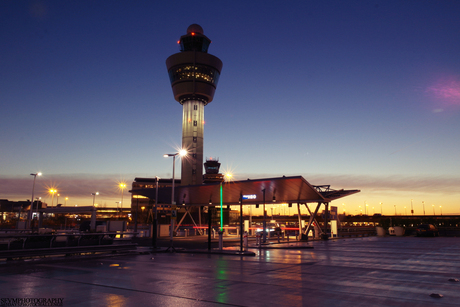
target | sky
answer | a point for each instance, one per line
(356, 94)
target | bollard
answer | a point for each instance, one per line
(221, 240)
(245, 241)
(258, 239)
(213, 233)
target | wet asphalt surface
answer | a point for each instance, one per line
(373, 271)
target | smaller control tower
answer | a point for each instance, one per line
(212, 167)
(194, 74)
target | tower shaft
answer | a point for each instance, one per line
(192, 141)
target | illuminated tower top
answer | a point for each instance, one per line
(194, 72)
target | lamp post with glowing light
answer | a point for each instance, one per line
(32, 199)
(155, 220)
(118, 212)
(181, 153)
(52, 191)
(65, 201)
(94, 197)
(440, 208)
(434, 213)
(122, 186)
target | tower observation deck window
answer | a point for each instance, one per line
(197, 72)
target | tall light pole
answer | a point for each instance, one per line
(32, 200)
(118, 212)
(411, 207)
(181, 153)
(52, 191)
(423, 203)
(264, 228)
(381, 209)
(94, 197)
(155, 220)
(65, 201)
(57, 199)
(122, 186)
(440, 208)
(433, 210)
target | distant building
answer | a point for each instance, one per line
(12, 209)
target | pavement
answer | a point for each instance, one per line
(370, 271)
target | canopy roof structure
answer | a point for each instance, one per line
(254, 191)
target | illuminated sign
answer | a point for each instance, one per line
(250, 196)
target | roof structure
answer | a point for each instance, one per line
(277, 190)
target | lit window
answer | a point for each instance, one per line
(195, 123)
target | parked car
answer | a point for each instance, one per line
(427, 230)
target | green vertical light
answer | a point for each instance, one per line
(221, 209)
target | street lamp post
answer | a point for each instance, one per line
(423, 203)
(181, 153)
(411, 207)
(93, 213)
(440, 208)
(65, 201)
(57, 199)
(433, 210)
(122, 186)
(94, 197)
(52, 191)
(31, 211)
(155, 220)
(118, 212)
(264, 228)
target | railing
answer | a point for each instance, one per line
(20, 245)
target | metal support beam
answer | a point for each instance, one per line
(326, 216)
(300, 221)
(312, 217)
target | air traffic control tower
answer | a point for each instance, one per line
(194, 74)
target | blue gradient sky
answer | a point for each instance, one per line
(356, 94)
